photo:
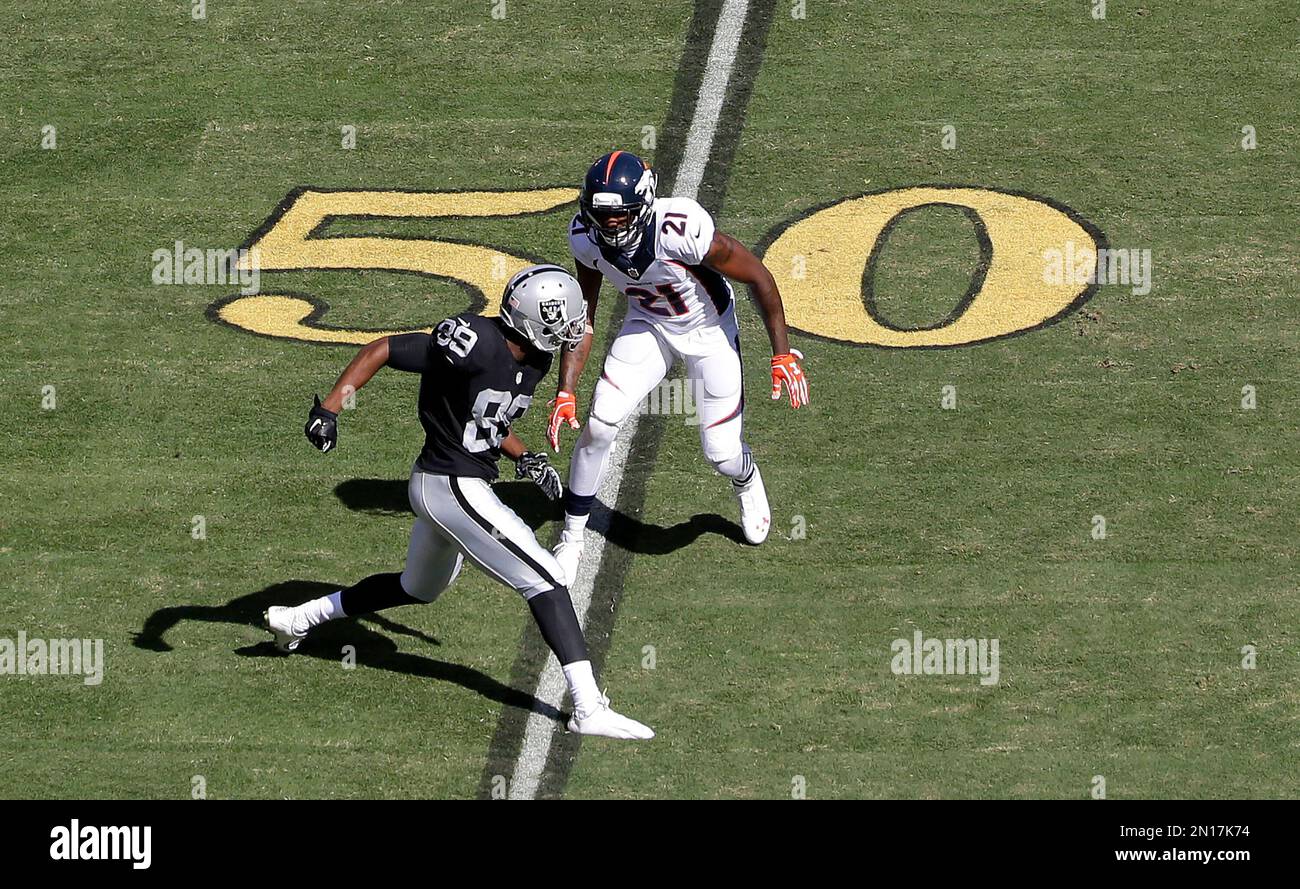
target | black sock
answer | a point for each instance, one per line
(374, 593)
(553, 611)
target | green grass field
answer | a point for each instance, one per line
(1120, 657)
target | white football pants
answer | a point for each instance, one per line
(638, 360)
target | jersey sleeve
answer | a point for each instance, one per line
(686, 231)
(584, 252)
(410, 352)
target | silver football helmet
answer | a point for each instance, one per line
(544, 305)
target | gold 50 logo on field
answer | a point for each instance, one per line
(822, 261)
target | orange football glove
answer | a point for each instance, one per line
(786, 369)
(564, 409)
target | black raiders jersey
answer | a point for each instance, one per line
(471, 390)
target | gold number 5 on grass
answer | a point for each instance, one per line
(291, 241)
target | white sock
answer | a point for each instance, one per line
(574, 525)
(582, 686)
(317, 611)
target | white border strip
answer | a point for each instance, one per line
(541, 729)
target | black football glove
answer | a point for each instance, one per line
(322, 427)
(543, 474)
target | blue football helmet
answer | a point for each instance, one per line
(617, 200)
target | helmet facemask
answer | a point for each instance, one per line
(602, 208)
(551, 337)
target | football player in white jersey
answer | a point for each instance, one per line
(666, 256)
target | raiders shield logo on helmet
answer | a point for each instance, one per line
(551, 311)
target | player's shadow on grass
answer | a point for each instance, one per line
(642, 538)
(373, 649)
(388, 497)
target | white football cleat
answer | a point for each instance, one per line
(755, 515)
(608, 724)
(279, 620)
(568, 552)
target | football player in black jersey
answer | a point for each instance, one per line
(477, 377)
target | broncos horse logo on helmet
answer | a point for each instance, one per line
(617, 200)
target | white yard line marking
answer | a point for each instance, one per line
(541, 729)
(713, 92)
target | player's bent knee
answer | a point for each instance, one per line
(549, 578)
(421, 588)
(426, 585)
(542, 586)
(597, 433)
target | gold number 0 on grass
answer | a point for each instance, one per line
(821, 260)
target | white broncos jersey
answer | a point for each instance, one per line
(665, 279)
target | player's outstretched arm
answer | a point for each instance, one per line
(733, 259)
(564, 408)
(322, 427)
(364, 365)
